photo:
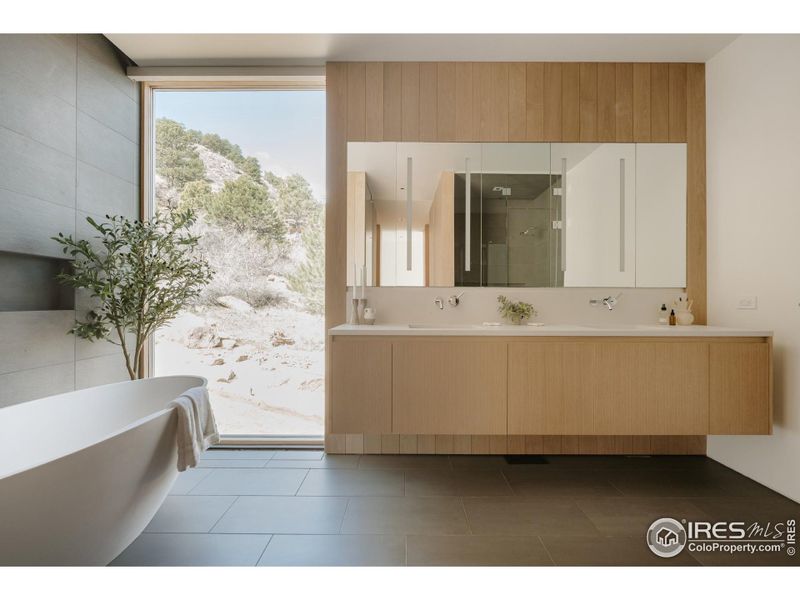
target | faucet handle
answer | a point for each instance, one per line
(455, 300)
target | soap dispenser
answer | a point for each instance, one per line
(663, 315)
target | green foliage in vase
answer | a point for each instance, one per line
(516, 312)
(140, 275)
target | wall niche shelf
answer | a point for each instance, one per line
(28, 283)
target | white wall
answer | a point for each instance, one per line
(753, 112)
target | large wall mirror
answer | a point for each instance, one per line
(516, 214)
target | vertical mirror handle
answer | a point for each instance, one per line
(467, 215)
(563, 214)
(621, 215)
(409, 210)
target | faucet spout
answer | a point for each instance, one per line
(439, 302)
(611, 301)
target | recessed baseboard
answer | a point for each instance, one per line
(392, 443)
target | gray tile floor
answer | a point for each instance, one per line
(265, 507)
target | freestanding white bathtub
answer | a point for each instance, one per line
(83, 473)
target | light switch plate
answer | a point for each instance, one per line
(747, 303)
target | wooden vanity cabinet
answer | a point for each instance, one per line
(741, 390)
(449, 386)
(570, 386)
(608, 388)
(360, 385)
(633, 386)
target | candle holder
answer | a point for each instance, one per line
(354, 313)
(362, 304)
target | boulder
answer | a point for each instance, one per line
(231, 376)
(203, 337)
(229, 343)
(279, 338)
(235, 303)
(311, 385)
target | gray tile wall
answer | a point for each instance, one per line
(69, 148)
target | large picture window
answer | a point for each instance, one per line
(250, 164)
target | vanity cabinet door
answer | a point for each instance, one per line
(741, 395)
(449, 386)
(360, 385)
(608, 388)
(536, 388)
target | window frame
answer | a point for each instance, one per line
(171, 79)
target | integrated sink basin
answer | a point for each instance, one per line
(545, 327)
(432, 326)
(599, 330)
(610, 326)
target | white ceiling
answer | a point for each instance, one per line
(151, 50)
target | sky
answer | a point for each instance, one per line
(284, 130)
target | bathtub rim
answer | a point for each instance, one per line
(113, 434)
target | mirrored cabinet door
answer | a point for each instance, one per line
(661, 215)
(371, 197)
(516, 214)
(597, 217)
(434, 186)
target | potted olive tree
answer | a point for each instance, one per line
(140, 274)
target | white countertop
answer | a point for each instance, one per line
(548, 330)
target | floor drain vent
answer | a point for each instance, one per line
(521, 459)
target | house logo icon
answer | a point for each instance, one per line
(666, 537)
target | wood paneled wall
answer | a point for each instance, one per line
(514, 102)
(518, 102)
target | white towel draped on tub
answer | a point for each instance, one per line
(197, 429)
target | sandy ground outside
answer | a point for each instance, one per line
(265, 367)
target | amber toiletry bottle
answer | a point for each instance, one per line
(672, 319)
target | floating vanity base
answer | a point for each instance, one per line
(581, 393)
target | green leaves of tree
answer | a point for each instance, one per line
(309, 277)
(276, 209)
(140, 274)
(176, 159)
(241, 204)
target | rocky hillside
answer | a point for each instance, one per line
(263, 234)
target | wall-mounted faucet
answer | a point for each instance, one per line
(439, 302)
(609, 301)
(455, 300)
